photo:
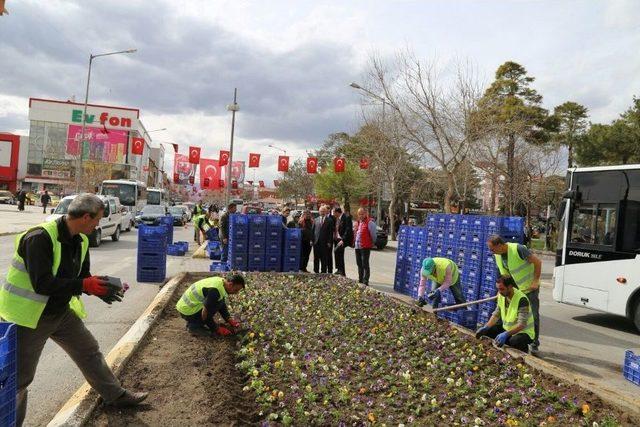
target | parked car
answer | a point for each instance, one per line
(7, 197)
(127, 221)
(251, 210)
(381, 238)
(179, 215)
(187, 211)
(110, 224)
(150, 214)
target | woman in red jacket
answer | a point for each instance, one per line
(365, 232)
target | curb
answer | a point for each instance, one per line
(10, 233)
(80, 406)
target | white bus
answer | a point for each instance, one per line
(132, 193)
(157, 196)
(598, 256)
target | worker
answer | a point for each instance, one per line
(517, 261)
(514, 311)
(49, 270)
(444, 274)
(202, 225)
(203, 299)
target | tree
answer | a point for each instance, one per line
(571, 124)
(296, 183)
(346, 186)
(511, 111)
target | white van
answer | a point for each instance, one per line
(109, 225)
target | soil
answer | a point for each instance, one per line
(190, 380)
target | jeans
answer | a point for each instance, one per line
(69, 332)
(362, 259)
(520, 341)
(534, 300)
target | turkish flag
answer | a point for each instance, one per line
(283, 163)
(364, 163)
(191, 180)
(194, 155)
(261, 183)
(137, 146)
(254, 160)
(312, 165)
(276, 182)
(338, 164)
(176, 178)
(209, 169)
(234, 184)
(223, 158)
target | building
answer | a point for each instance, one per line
(55, 151)
(13, 160)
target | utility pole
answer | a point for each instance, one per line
(233, 108)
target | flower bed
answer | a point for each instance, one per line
(327, 352)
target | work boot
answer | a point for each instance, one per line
(533, 349)
(421, 302)
(129, 398)
(199, 332)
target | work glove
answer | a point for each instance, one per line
(111, 298)
(435, 297)
(94, 285)
(223, 331)
(234, 323)
(501, 339)
(481, 331)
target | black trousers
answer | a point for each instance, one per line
(520, 341)
(44, 208)
(321, 257)
(362, 259)
(195, 321)
(338, 253)
(306, 252)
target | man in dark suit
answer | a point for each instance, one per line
(323, 233)
(344, 238)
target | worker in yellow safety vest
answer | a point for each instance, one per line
(514, 310)
(444, 274)
(47, 274)
(203, 299)
(197, 211)
(517, 261)
(202, 224)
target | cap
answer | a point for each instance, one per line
(428, 264)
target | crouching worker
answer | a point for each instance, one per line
(203, 299)
(444, 274)
(517, 329)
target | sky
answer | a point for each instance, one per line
(292, 61)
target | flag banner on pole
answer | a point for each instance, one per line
(338, 164)
(283, 163)
(223, 158)
(364, 163)
(137, 146)
(182, 168)
(254, 160)
(209, 168)
(194, 155)
(312, 165)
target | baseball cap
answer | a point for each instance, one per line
(428, 264)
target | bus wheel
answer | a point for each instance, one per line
(636, 315)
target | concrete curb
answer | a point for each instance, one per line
(10, 233)
(80, 406)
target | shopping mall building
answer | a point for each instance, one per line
(55, 148)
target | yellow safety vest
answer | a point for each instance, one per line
(510, 315)
(441, 269)
(19, 303)
(192, 299)
(519, 269)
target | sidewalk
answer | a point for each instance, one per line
(13, 221)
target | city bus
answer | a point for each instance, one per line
(157, 196)
(598, 255)
(132, 193)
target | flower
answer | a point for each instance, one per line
(585, 409)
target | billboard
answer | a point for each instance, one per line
(100, 146)
(182, 168)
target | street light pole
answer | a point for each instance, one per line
(233, 108)
(84, 114)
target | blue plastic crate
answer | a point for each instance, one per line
(212, 234)
(152, 231)
(467, 318)
(238, 220)
(486, 291)
(218, 266)
(151, 274)
(175, 250)
(257, 246)
(512, 225)
(631, 369)
(290, 266)
(8, 373)
(152, 245)
(183, 245)
(152, 259)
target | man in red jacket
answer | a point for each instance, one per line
(365, 232)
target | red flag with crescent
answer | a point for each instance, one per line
(283, 163)
(312, 165)
(209, 169)
(338, 164)
(223, 158)
(364, 163)
(137, 146)
(176, 178)
(254, 160)
(261, 183)
(194, 155)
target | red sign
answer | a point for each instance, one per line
(283, 163)
(137, 146)
(364, 163)
(254, 160)
(338, 164)
(194, 155)
(261, 183)
(312, 165)
(224, 158)
(209, 169)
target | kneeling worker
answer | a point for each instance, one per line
(517, 329)
(203, 299)
(443, 273)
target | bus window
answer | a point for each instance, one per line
(594, 224)
(606, 225)
(153, 197)
(583, 224)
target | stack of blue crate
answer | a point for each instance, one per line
(257, 242)
(401, 273)
(291, 249)
(214, 249)
(152, 253)
(512, 229)
(8, 373)
(238, 242)
(273, 244)
(167, 221)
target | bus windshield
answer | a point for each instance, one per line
(154, 197)
(126, 193)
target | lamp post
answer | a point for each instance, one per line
(84, 113)
(233, 108)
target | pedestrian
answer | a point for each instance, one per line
(197, 210)
(444, 274)
(323, 232)
(306, 224)
(49, 271)
(202, 225)
(21, 196)
(344, 238)
(294, 220)
(365, 233)
(396, 225)
(203, 299)
(223, 231)
(45, 199)
(516, 327)
(517, 261)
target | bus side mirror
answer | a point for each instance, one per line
(571, 195)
